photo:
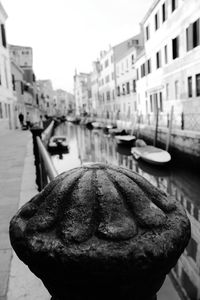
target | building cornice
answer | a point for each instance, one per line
(20, 47)
(150, 11)
(3, 10)
(16, 65)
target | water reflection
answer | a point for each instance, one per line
(94, 146)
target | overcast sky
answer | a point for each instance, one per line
(67, 34)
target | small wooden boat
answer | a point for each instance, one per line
(97, 125)
(58, 144)
(117, 131)
(125, 139)
(151, 154)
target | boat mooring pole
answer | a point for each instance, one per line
(170, 128)
(156, 129)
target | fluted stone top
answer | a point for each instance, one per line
(101, 217)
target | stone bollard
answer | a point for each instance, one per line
(100, 232)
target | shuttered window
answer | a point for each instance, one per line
(175, 47)
(198, 84)
(193, 35)
(3, 35)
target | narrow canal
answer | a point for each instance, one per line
(177, 180)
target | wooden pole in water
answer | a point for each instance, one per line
(156, 129)
(170, 128)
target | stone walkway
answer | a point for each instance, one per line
(17, 184)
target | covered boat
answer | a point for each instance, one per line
(125, 139)
(58, 143)
(151, 154)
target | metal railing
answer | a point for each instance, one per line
(45, 170)
(180, 121)
(45, 161)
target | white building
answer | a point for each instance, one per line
(108, 80)
(126, 100)
(63, 102)
(47, 95)
(95, 87)
(169, 69)
(7, 99)
(82, 93)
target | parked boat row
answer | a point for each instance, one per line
(58, 144)
(139, 149)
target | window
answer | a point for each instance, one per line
(108, 95)
(137, 71)
(198, 84)
(148, 66)
(122, 68)
(3, 35)
(134, 86)
(166, 54)
(6, 73)
(190, 86)
(123, 89)
(112, 75)
(128, 88)
(151, 103)
(106, 63)
(127, 65)
(113, 94)
(163, 12)
(161, 102)
(193, 35)
(147, 33)
(167, 91)
(176, 84)
(175, 47)
(118, 91)
(174, 5)
(156, 21)
(158, 59)
(22, 89)
(111, 58)
(142, 70)
(6, 110)
(1, 111)
(107, 79)
(132, 59)
(13, 82)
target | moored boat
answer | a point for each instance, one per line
(97, 125)
(125, 139)
(58, 144)
(151, 154)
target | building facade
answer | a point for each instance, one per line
(7, 99)
(64, 102)
(169, 69)
(46, 96)
(95, 87)
(109, 88)
(82, 93)
(22, 57)
(126, 100)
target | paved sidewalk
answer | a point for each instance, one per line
(17, 184)
(12, 152)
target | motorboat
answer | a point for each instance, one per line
(151, 154)
(117, 131)
(97, 125)
(125, 139)
(58, 143)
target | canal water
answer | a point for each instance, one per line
(183, 183)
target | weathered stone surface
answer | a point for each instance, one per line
(100, 228)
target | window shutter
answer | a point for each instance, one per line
(3, 35)
(189, 36)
